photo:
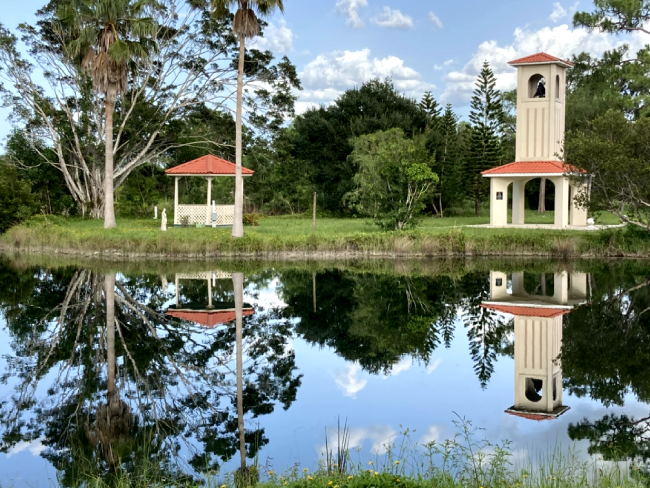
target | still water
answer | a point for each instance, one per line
(105, 366)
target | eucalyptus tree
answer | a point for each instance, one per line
(61, 117)
(245, 26)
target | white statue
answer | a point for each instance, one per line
(155, 213)
(590, 222)
(163, 220)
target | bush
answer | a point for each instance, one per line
(17, 202)
(251, 219)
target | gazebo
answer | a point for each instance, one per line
(541, 94)
(208, 167)
(206, 314)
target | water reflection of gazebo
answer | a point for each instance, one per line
(538, 338)
(209, 313)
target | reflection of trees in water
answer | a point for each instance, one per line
(606, 356)
(377, 319)
(104, 394)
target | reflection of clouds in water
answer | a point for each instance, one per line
(348, 381)
(432, 434)
(35, 447)
(379, 435)
(532, 441)
(267, 297)
(404, 365)
(433, 366)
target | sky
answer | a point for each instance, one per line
(423, 45)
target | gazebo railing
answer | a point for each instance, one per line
(202, 214)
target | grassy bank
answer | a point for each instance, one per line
(463, 461)
(287, 237)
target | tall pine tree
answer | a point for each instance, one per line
(445, 144)
(485, 148)
(432, 109)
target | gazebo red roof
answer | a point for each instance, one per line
(548, 313)
(207, 165)
(207, 319)
(533, 167)
(540, 58)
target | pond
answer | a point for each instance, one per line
(108, 366)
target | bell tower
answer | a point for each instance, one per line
(541, 92)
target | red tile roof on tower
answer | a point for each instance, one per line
(540, 58)
(207, 319)
(530, 416)
(547, 313)
(207, 165)
(533, 167)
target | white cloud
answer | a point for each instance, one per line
(404, 365)
(277, 38)
(436, 21)
(393, 19)
(438, 67)
(35, 447)
(330, 74)
(560, 41)
(431, 435)
(350, 10)
(558, 12)
(348, 380)
(379, 435)
(433, 366)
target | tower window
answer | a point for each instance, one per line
(534, 389)
(537, 86)
(557, 87)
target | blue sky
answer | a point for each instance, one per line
(422, 44)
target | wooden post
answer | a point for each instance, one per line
(313, 289)
(313, 223)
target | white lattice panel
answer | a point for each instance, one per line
(225, 214)
(205, 275)
(196, 214)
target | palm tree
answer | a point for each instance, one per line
(113, 418)
(105, 37)
(245, 26)
(238, 285)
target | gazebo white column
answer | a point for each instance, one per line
(518, 201)
(561, 201)
(176, 219)
(208, 217)
(578, 212)
(499, 202)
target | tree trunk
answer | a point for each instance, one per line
(109, 288)
(476, 202)
(109, 211)
(238, 284)
(541, 206)
(238, 225)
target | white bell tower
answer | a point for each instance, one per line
(540, 119)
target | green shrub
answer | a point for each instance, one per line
(251, 219)
(17, 202)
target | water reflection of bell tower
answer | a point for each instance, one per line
(538, 338)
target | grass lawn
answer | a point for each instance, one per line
(434, 237)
